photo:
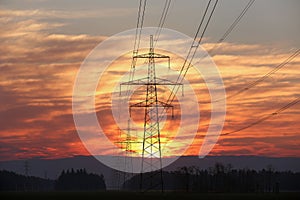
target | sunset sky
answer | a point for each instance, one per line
(44, 42)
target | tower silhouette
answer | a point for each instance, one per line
(151, 163)
(128, 165)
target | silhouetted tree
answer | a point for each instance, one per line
(11, 181)
(79, 180)
(221, 178)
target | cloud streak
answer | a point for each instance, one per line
(38, 69)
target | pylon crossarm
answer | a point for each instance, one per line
(151, 55)
(143, 104)
(162, 81)
(125, 142)
(141, 81)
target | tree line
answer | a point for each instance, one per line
(221, 178)
(69, 180)
(79, 180)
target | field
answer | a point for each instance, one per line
(146, 196)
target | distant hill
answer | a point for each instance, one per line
(51, 168)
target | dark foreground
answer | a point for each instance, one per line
(146, 196)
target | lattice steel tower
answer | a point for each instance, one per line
(152, 151)
(128, 165)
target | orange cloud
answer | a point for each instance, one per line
(38, 70)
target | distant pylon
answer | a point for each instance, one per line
(151, 152)
(26, 168)
(128, 165)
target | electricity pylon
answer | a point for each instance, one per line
(152, 151)
(128, 151)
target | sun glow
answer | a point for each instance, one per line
(170, 118)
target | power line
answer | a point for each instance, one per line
(233, 25)
(139, 26)
(195, 45)
(230, 28)
(162, 20)
(192, 50)
(227, 32)
(236, 21)
(262, 78)
(278, 67)
(137, 38)
(136, 46)
(199, 42)
(262, 119)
